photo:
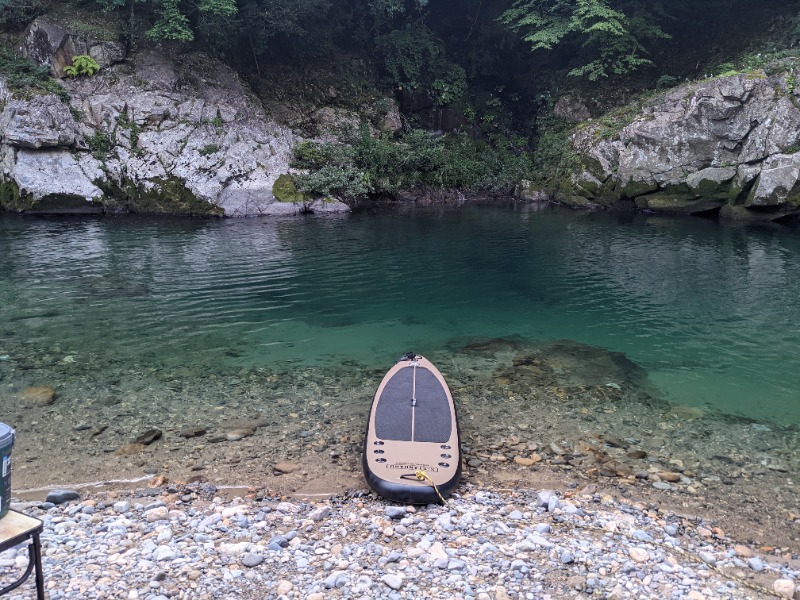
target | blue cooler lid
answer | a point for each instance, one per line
(6, 435)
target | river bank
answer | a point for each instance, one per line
(555, 419)
(190, 541)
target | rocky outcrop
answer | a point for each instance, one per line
(49, 43)
(145, 135)
(727, 145)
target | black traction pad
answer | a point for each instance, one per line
(395, 410)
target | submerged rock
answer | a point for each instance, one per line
(148, 437)
(38, 395)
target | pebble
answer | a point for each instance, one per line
(395, 512)
(393, 581)
(784, 588)
(252, 559)
(474, 548)
(756, 564)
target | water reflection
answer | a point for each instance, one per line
(706, 309)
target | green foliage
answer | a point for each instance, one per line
(82, 65)
(100, 145)
(27, 78)
(173, 20)
(209, 149)
(554, 159)
(133, 128)
(791, 82)
(222, 8)
(265, 25)
(346, 180)
(409, 55)
(610, 33)
(310, 155)
(109, 5)
(370, 165)
(451, 87)
(665, 81)
(172, 25)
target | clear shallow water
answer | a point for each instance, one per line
(710, 311)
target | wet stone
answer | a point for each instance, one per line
(192, 432)
(148, 437)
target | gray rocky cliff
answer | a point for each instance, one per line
(144, 134)
(727, 146)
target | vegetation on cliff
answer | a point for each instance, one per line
(487, 76)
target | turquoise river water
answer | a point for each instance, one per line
(710, 311)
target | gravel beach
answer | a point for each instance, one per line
(198, 541)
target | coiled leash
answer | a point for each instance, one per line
(423, 476)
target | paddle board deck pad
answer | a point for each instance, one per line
(412, 430)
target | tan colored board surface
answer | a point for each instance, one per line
(397, 461)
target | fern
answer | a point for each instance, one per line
(82, 65)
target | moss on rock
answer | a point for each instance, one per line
(677, 203)
(285, 190)
(168, 196)
(14, 199)
(634, 189)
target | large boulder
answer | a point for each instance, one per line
(148, 135)
(48, 42)
(724, 146)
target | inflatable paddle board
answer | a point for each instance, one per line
(412, 450)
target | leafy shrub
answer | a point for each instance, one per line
(369, 165)
(451, 87)
(309, 155)
(409, 53)
(665, 81)
(82, 65)
(99, 144)
(124, 121)
(338, 180)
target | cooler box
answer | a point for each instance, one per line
(6, 443)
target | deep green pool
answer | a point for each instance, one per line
(710, 311)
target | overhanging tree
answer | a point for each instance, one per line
(606, 37)
(172, 20)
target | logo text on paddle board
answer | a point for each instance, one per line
(408, 466)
